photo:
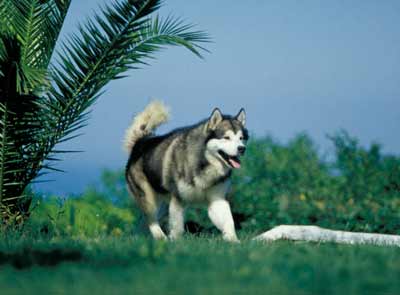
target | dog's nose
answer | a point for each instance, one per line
(241, 150)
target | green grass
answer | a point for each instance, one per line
(204, 265)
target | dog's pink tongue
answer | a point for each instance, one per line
(234, 164)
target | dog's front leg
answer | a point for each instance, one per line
(220, 214)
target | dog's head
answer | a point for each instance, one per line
(227, 137)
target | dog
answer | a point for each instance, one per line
(189, 165)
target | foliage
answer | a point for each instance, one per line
(291, 184)
(91, 215)
(357, 189)
(45, 101)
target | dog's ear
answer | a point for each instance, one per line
(241, 116)
(215, 119)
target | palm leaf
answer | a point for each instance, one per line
(127, 38)
(36, 115)
(36, 25)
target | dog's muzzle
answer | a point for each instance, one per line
(232, 161)
(241, 150)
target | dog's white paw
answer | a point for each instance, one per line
(231, 238)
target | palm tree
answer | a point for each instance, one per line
(45, 101)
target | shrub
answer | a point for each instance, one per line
(91, 215)
(292, 184)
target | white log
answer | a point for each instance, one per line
(313, 233)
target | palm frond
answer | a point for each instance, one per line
(43, 28)
(21, 125)
(36, 115)
(4, 16)
(36, 25)
(10, 159)
(23, 149)
(127, 38)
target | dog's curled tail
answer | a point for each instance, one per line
(155, 114)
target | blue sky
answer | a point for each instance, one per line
(314, 66)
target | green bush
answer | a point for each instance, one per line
(91, 215)
(358, 189)
(292, 184)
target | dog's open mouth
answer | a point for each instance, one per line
(232, 161)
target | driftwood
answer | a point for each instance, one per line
(313, 233)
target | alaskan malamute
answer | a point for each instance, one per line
(185, 166)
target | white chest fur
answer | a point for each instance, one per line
(198, 194)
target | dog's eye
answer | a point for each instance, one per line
(241, 138)
(227, 137)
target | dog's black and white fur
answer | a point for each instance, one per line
(185, 166)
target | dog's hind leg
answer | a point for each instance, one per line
(176, 218)
(147, 200)
(150, 208)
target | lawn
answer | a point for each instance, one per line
(194, 265)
